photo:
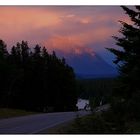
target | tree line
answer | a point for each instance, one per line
(33, 79)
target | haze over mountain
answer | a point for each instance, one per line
(77, 28)
(87, 65)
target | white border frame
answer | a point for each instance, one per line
(69, 2)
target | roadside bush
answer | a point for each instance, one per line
(92, 124)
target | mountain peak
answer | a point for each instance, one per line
(88, 64)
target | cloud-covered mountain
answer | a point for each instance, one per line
(87, 65)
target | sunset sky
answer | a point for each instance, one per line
(70, 29)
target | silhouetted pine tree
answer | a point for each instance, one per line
(4, 71)
(127, 97)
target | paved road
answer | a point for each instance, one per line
(35, 123)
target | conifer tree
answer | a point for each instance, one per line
(3, 49)
(128, 61)
(4, 71)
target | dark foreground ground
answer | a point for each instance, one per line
(37, 124)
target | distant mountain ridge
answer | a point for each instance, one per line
(93, 76)
(86, 65)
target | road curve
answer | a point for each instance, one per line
(35, 123)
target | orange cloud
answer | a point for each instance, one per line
(16, 21)
(21, 16)
(68, 45)
(78, 43)
(63, 28)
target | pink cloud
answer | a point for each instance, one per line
(64, 28)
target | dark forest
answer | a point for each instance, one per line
(35, 80)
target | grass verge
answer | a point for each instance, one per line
(8, 113)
